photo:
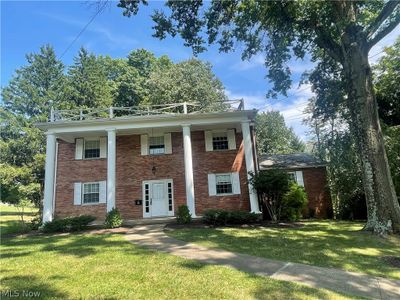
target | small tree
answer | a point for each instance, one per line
(294, 201)
(271, 186)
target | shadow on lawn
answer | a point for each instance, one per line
(29, 284)
(79, 245)
(320, 244)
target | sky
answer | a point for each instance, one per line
(27, 25)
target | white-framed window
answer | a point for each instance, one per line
(156, 145)
(91, 193)
(92, 148)
(292, 176)
(220, 141)
(223, 184)
(297, 176)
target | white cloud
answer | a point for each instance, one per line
(292, 107)
(244, 65)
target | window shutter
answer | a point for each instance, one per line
(144, 144)
(235, 183)
(231, 139)
(299, 178)
(102, 191)
(209, 140)
(77, 193)
(168, 143)
(103, 147)
(78, 148)
(212, 188)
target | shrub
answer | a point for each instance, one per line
(113, 219)
(294, 201)
(68, 224)
(219, 217)
(183, 216)
(35, 223)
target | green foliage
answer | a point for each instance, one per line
(113, 219)
(219, 217)
(68, 224)
(386, 79)
(294, 202)
(273, 137)
(183, 215)
(271, 186)
(88, 85)
(392, 142)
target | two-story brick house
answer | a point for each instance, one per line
(148, 162)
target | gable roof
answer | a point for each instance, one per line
(289, 161)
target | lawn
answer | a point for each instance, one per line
(10, 221)
(323, 243)
(106, 266)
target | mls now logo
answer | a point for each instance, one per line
(20, 294)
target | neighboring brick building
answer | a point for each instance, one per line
(308, 172)
(149, 163)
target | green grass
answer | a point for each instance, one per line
(323, 243)
(106, 266)
(10, 221)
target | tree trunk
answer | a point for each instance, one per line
(382, 206)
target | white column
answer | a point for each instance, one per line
(111, 153)
(49, 178)
(187, 146)
(248, 153)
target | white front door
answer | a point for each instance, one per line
(158, 198)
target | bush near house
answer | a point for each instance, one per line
(183, 215)
(113, 219)
(218, 217)
(293, 203)
(68, 224)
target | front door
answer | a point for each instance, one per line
(158, 198)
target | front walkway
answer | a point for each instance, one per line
(153, 236)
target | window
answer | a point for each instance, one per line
(292, 176)
(91, 192)
(223, 184)
(170, 196)
(220, 141)
(156, 145)
(92, 148)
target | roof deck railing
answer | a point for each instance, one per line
(126, 112)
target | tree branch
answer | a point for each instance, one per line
(381, 34)
(384, 14)
(324, 41)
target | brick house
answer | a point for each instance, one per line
(308, 172)
(148, 162)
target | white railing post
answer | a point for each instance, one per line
(52, 114)
(80, 114)
(111, 112)
(185, 108)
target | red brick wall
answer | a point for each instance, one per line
(132, 169)
(69, 171)
(315, 185)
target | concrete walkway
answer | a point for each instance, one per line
(153, 236)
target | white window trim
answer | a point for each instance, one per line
(209, 139)
(98, 138)
(83, 193)
(222, 174)
(148, 145)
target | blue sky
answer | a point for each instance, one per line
(25, 26)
